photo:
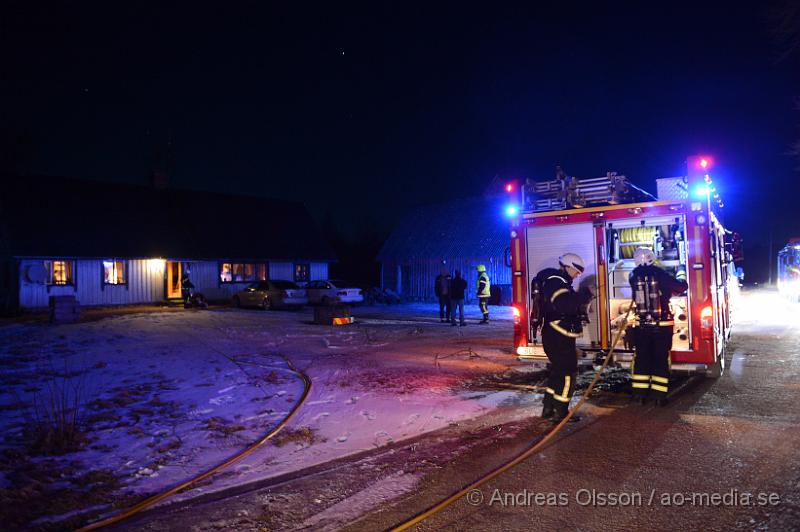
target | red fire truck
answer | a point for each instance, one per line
(604, 220)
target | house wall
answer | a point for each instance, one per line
(145, 282)
(281, 271)
(417, 277)
(319, 271)
(205, 277)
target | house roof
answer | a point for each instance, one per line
(472, 227)
(61, 217)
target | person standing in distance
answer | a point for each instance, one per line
(563, 309)
(442, 290)
(483, 292)
(458, 287)
(652, 288)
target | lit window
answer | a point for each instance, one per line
(225, 273)
(301, 272)
(238, 273)
(242, 272)
(114, 271)
(59, 272)
(249, 272)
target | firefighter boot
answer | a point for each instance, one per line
(558, 419)
(561, 410)
(547, 406)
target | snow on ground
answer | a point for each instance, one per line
(167, 395)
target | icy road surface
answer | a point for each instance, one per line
(723, 455)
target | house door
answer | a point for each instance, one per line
(174, 278)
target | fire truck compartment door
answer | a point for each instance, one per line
(547, 243)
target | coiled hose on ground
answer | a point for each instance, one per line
(150, 501)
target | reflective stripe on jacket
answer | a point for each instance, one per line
(484, 285)
(562, 305)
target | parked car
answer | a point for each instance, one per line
(331, 292)
(271, 295)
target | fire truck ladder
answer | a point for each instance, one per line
(571, 192)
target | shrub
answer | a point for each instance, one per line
(58, 412)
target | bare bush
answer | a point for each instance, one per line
(57, 419)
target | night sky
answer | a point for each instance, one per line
(365, 111)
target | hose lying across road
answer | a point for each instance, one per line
(150, 501)
(525, 454)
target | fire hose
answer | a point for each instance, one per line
(150, 501)
(525, 454)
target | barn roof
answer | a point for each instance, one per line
(471, 227)
(61, 217)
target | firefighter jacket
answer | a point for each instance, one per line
(484, 286)
(668, 286)
(563, 308)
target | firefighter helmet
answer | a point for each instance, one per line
(481, 268)
(644, 257)
(572, 260)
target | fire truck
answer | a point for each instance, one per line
(604, 220)
(789, 270)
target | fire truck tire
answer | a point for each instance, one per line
(716, 370)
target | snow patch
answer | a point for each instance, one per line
(221, 400)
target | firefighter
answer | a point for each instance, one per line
(186, 289)
(652, 336)
(483, 292)
(563, 309)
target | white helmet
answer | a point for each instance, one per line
(572, 260)
(644, 257)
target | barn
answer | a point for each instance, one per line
(457, 235)
(118, 244)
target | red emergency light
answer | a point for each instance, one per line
(510, 187)
(704, 162)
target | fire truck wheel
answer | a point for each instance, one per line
(716, 370)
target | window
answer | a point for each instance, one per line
(242, 272)
(301, 272)
(249, 272)
(238, 273)
(59, 272)
(114, 272)
(225, 272)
